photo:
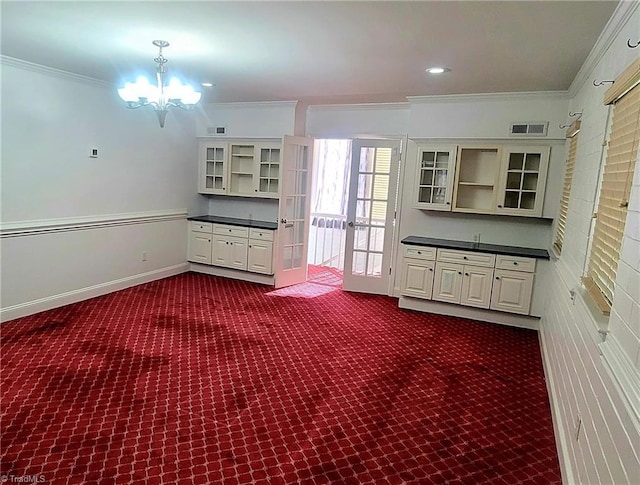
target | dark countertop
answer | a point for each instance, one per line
(232, 221)
(477, 247)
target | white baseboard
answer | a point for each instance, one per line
(441, 308)
(233, 274)
(55, 301)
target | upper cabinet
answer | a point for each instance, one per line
(434, 176)
(247, 169)
(482, 179)
(477, 175)
(523, 178)
(212, 176)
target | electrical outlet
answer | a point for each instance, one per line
(144, 256)
(578, 428)
(93, 153)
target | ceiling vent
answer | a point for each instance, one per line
(529, 128)
(217, 130)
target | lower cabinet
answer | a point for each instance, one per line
(512, 291)
(464, 285)
(236, 247)
(417, 278)
(230, 252)
(199, 247)
(474, 279)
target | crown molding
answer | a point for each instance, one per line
(359, 106)
(51, 71)
(453, 98)
(623, 12)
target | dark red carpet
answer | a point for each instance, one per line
(204, 380)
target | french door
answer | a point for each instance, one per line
(370, 215)
(293, 212)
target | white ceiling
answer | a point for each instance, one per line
(318, 52)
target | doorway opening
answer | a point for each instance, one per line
(328, 213)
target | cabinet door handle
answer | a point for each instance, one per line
(226, 242)
(430, 269)
(459, 272)
(249, 245)
(464, 257)
(466, 274)
(499, 206)
(419, 252)
(255, 190)
(448, 203)
(516, 263)
(497, 277)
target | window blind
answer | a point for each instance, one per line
(572, 134)
(614, 196)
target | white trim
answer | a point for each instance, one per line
(45, 226)
(559, 428)
(624, 375)
(359, 107)
(453, 310)
(55, 301)
(232, 273)
(616, 23)
(52, 71)
(465, 98)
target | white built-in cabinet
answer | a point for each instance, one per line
(435, 169)
(239, 168)
(418, 265)
(236, 247)
(482, 179)
(468, 278)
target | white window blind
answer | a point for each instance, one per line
(572, 134)
(614, 195)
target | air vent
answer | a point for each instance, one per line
(217, 130)
(532, 128)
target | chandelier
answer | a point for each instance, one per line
(161, 97)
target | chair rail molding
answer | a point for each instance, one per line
(47, 226)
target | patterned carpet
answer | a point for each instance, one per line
(205, 380)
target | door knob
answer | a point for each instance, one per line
(350, 223)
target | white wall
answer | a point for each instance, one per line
(579, 366)
(244, 208)
(484, 115)
(272, 119)
(51, 120)
(358, 120)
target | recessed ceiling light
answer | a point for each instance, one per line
(207, 85)
(437, 70)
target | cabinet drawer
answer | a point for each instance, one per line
(466, 257)
(262, 234)
(516, 263)
(420, 252)
(235, 231)
(201, 226)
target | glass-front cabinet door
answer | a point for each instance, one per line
(213, 168)
(434, 177)
(523, 180)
